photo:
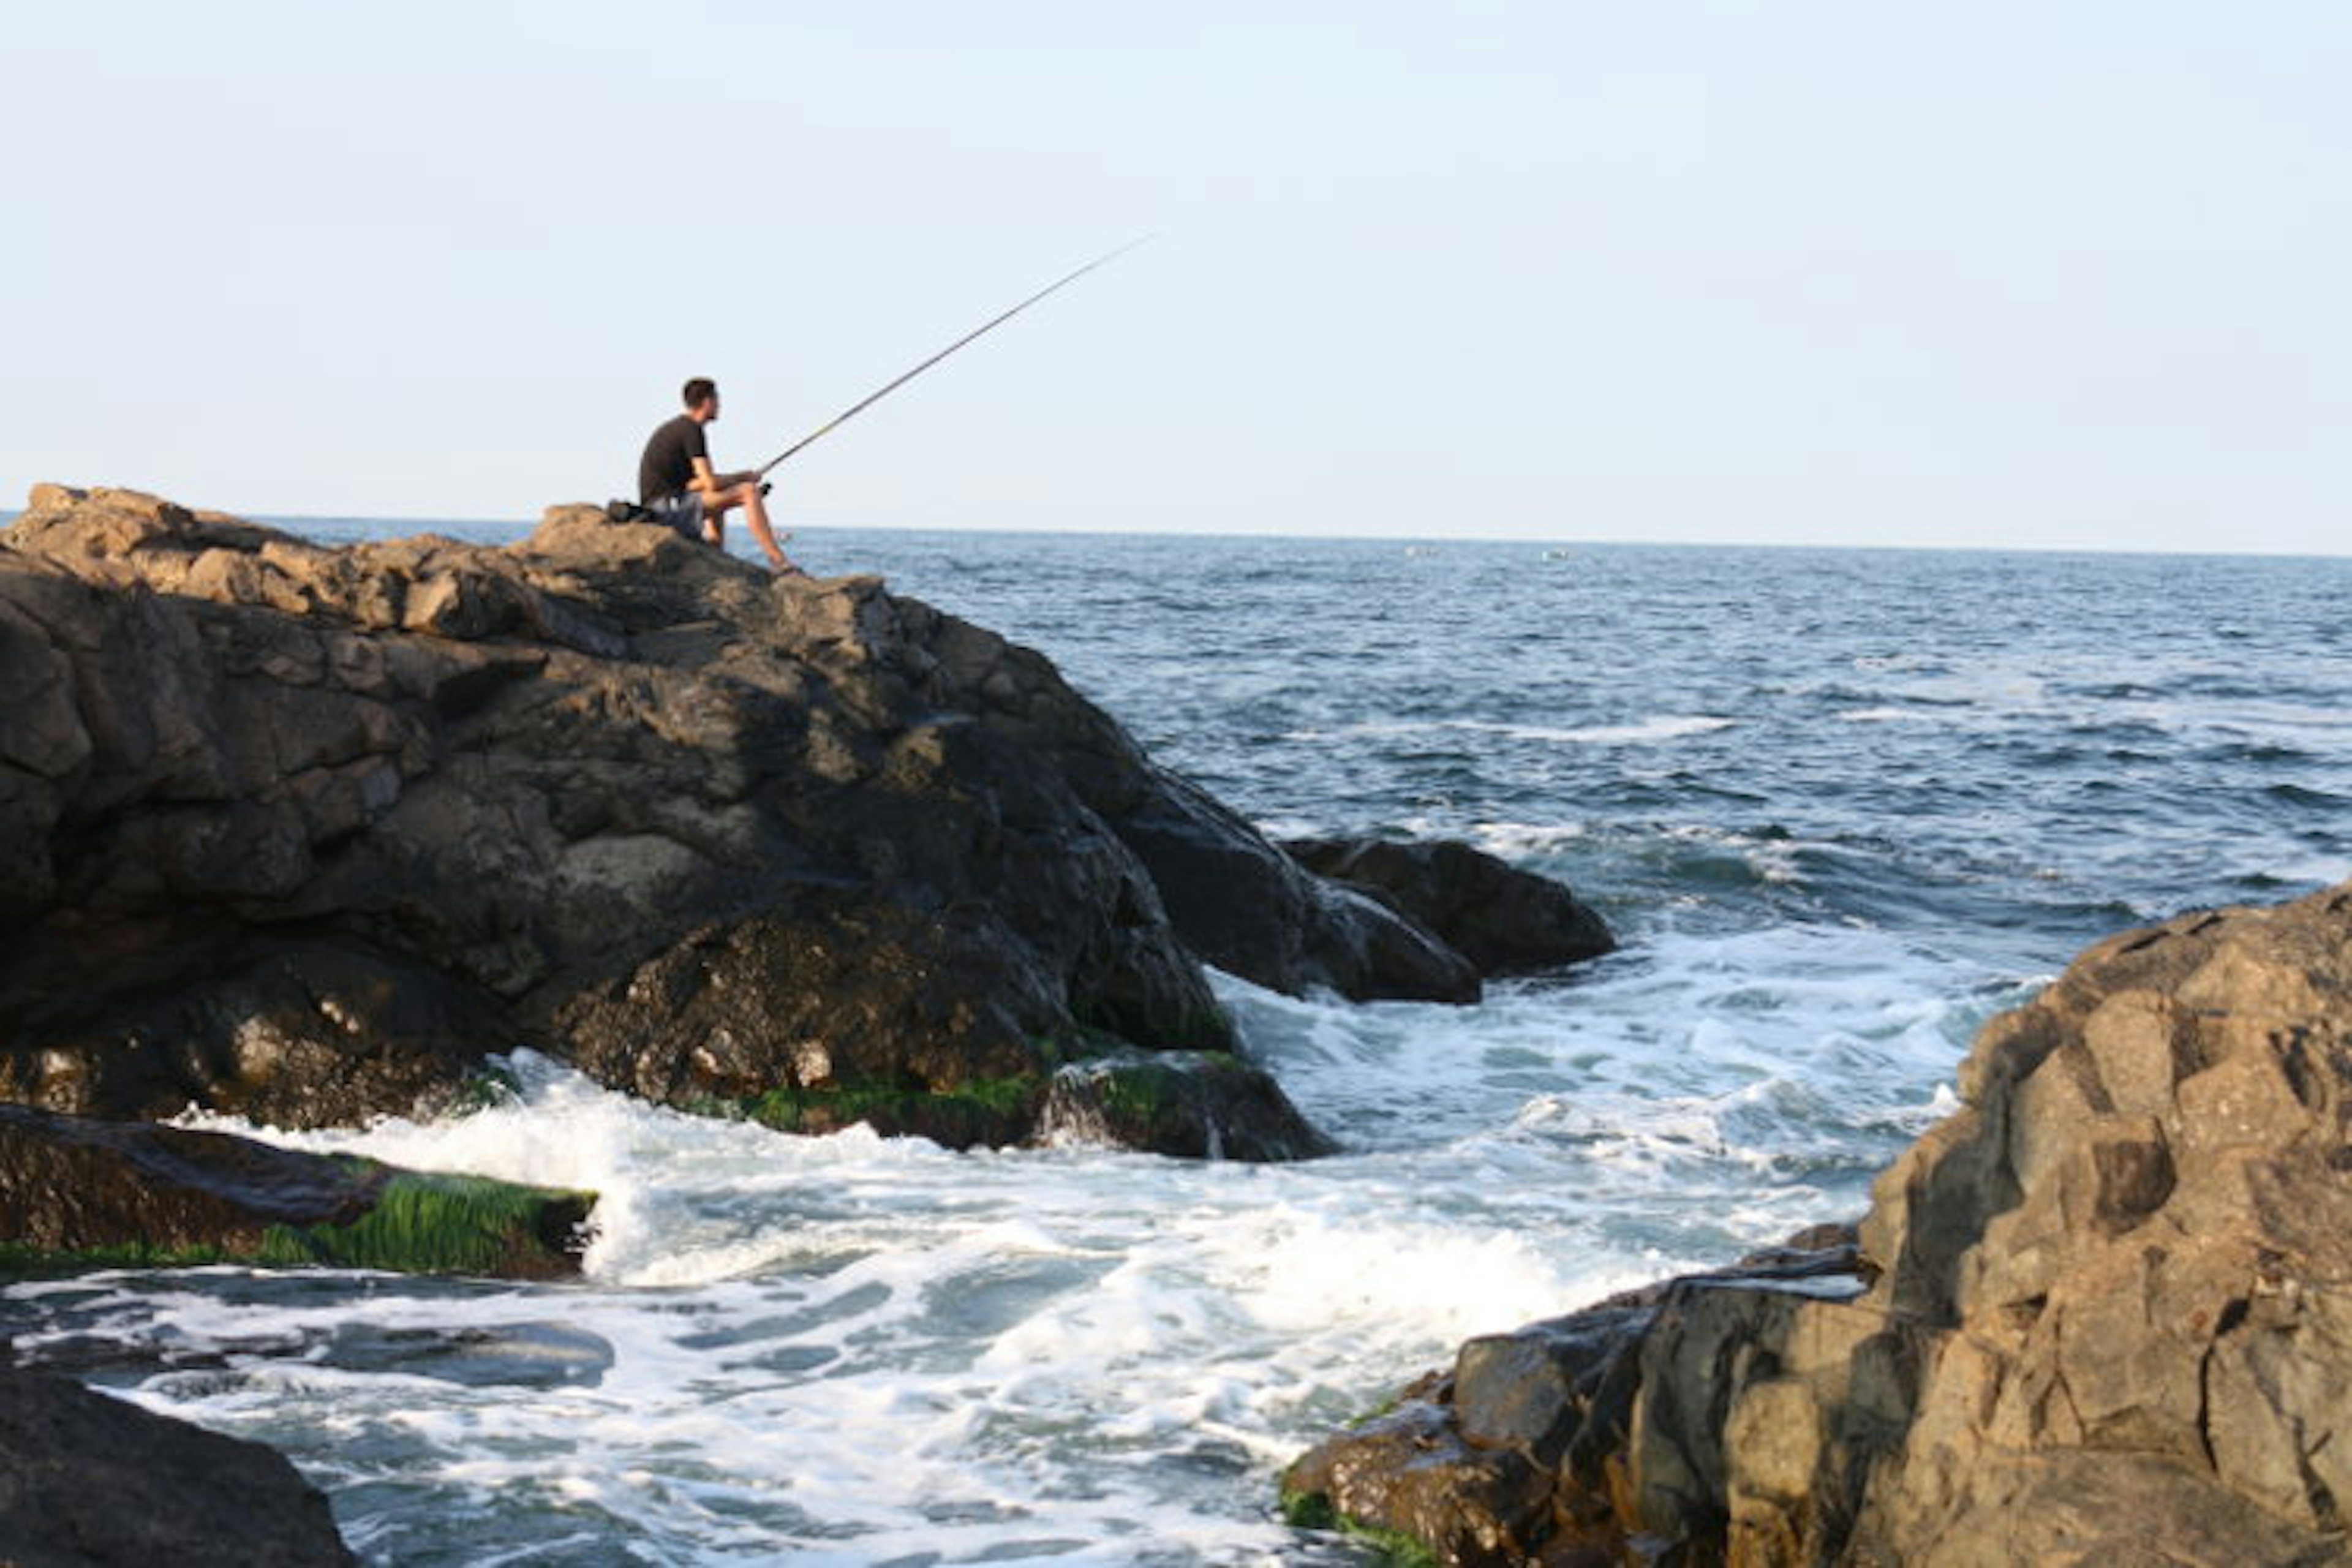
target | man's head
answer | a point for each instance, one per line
(701, 397)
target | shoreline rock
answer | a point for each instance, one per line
(1502, 919)
(92, 1481)
(2103, 1314)
(305, 833)
(77, 1194)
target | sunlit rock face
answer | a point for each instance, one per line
(2103, 1314)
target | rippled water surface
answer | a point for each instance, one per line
(1840, 806)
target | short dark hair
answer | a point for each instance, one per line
(699, 389)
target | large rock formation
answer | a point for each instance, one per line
(2103, 1314)
(89, 1482)
(301, 833)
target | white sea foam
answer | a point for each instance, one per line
(1893, 715)
(2313, 873)
(1644, 732)
(870, 1347)
(1525, 840)
(1654, 729)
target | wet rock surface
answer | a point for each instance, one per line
(1502, 919)
(92, 1481)
(2104, 1313)
(78, 1193)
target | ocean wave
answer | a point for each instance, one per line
(1654, 729)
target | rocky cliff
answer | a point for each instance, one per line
(2103, 1314)
(302, 832)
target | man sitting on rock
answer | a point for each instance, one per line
(675, 480)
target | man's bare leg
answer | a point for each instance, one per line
(755, 514)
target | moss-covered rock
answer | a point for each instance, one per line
(1313, 1511)
(980, 1113)
(1200, 1104)
(78, 1194)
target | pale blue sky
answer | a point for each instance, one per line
(2002, 274)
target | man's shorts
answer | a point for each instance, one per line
(682, 514)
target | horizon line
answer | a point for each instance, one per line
(293, 521)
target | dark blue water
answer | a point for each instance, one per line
(1840, 805)
(2016, 752)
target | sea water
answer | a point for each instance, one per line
(1838, 806)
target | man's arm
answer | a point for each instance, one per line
(710, 484)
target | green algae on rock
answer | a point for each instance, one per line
(77, 1194)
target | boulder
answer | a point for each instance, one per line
(1252, 910)
(1514, 1454)
(92, 1481)
(77, 1194)
(1503, 920)
(2103, 1314)
(301, 833)
(1201, 1105)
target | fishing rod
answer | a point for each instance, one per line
(875, 397)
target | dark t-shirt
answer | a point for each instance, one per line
(668, 461)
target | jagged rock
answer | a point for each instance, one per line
(90, 1481)
(293, 1033)
(1410, 1475)
(2107, 1314)
(1503, 920)
(1250, 909)
(1516, 1454)
(77, 1194)
(301, 833)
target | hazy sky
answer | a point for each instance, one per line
(2048, 274)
